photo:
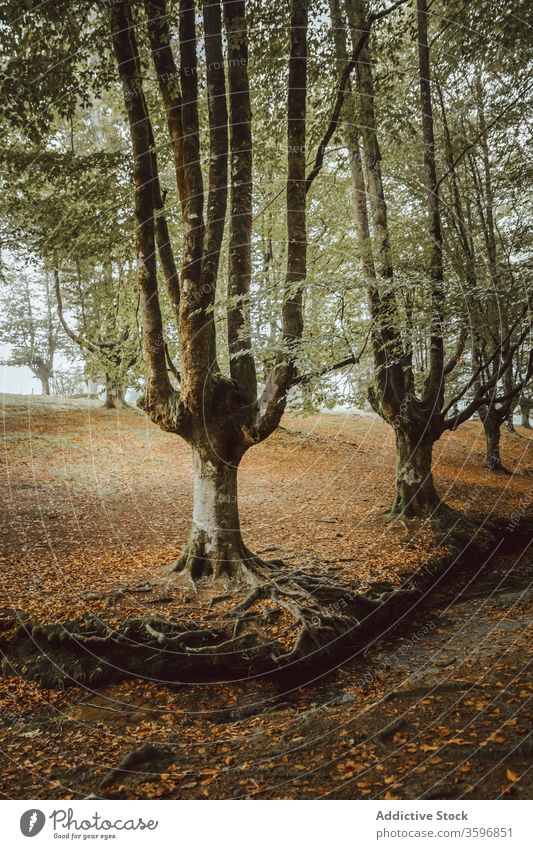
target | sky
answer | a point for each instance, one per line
(17, 379)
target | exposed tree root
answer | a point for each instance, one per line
(323, 623)
(148, 758)
(116, 595)
(233, 565)
(443, 519)
(497, 468)
(320, 610)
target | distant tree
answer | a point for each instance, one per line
(104, 305)
(488, 248)
(29, 325)
(526, 405)
(67, 208)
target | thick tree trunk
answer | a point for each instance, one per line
(45, 385)
(509, 422)
(524, 412)
(215, 550)
(415, 491)
(109, 403)
(114, 396)
(492, 427)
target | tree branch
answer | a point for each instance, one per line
(456, 356)
(158, 389)
(481, 398)
(242, 364)
(480, 135)
(341, 91)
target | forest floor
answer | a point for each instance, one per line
(97, 501)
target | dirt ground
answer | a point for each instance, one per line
(95, 502)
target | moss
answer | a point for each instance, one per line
(88, 652)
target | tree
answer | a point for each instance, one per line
(29, 325)
(485, 247)
(106, 320)
(414, 404)
(66, 209)
(220, 416)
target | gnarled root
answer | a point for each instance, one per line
(231, 565)
(320, 611)
(280, 618)
(317, 611)
(284, 618)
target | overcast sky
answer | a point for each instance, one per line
(17, 379)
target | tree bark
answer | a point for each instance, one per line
(215, 550)
(114, 395)
(391, 377)
(169, 84)
(351, 134)
(492, 426)
(434, 384)
(296, 186)
(273, 399)
(415, 490)
(376, 193)
(45, 384)
(199, 368)
(493, 417)
(158, 388)
(109, 403)
(242, 363)
(509, 422)
(525, 408)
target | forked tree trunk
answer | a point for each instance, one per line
(415, 491)
(215, 549)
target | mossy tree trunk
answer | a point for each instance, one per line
(415, 490)
(492, 422)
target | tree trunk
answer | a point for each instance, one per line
(434, 384)
(114, 398)
(387, 343)
(415, 491)
(109, 403)
(215, 550)
(492, 427)
(524, 412)
(509, 422)
(45, 384)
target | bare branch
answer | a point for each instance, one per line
(341, 91)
